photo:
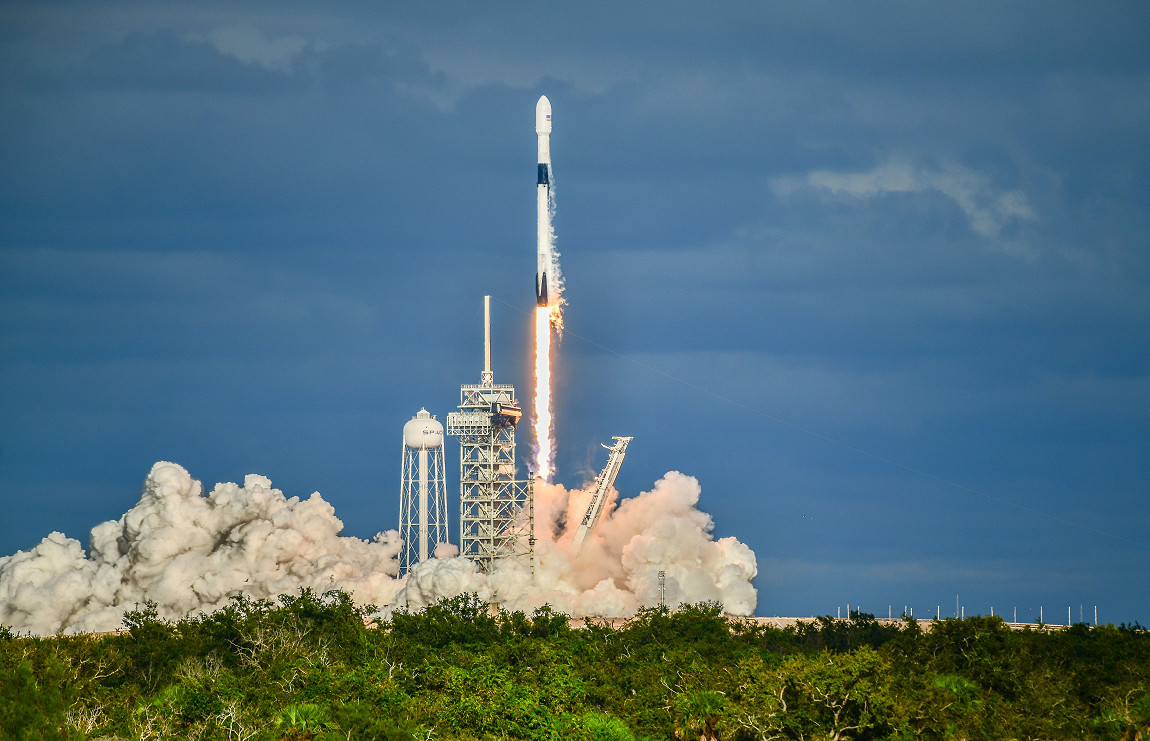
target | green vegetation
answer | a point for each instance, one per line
(310, 668)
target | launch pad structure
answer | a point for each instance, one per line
(496, 510)
(603, 484)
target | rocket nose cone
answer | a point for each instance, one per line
(543, 116)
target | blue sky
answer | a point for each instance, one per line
(877, 275)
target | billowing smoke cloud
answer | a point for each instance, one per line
(191, 553)
(617, 571)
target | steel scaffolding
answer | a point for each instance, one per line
(496, 510)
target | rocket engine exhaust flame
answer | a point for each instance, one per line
(544, 457)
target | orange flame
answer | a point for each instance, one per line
(544, 434)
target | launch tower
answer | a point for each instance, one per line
(496, 510)
(423, 491)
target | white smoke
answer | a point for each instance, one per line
(617, 571)
(555, 281)
(190, 554)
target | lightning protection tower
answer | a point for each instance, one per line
(496, 510)
(423, 495)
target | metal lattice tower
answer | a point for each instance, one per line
(496, 510)
(423, 491)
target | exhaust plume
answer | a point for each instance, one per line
(190, 553)
(616, 572)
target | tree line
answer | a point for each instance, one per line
(313, 666)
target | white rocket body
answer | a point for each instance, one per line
(543, 200)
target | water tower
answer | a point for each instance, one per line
(423, 495)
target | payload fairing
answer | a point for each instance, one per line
(543, 196)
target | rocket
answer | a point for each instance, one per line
(543, 199)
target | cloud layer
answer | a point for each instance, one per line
(989, 210)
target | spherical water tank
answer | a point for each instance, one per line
(423, 431)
